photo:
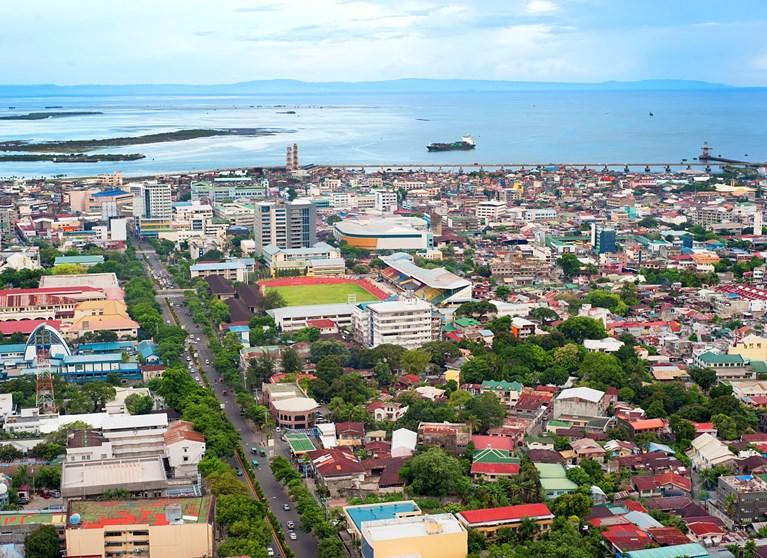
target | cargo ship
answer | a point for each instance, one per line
(466, 143)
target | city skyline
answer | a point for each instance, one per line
(355, 40)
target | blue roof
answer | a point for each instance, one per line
(13, 348)
(389, 510)
(84, 359)
(691, 550)
(105, 346)
(239, 328)
(110, 193)
(146, 348)
(655, 446)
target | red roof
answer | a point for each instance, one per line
(647, 424)
(506, 513)
(495, 442)
(321, 323)
(705, 528)
(650, 482)
(494, 468)
(668, 536)
(627, 537)
(634, 505)
(25, 326)
(703, 426)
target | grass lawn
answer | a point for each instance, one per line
(300, 295)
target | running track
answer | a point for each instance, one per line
(366, 284)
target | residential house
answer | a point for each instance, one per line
(661, 484)
(707, 451)
(452, 437)
(489, 520)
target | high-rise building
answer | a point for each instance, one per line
(758, 222)
(285, 224)
(603, 240)
(409, 323)
(152, 208)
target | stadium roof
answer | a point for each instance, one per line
(438, 278)
(383, 227)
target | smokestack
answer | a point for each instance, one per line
(295, 156)
(289, 159)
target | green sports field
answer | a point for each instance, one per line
(300, 295)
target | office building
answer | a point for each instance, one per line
(385, 201)
(285, 224)
(490, 211)
(178, 527)
(603, 239)
(152, 209)
(409, 323)
(426, 536)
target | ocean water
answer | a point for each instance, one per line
(509, 127)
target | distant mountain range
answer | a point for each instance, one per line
(288, 86)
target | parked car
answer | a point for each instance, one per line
(292, 536)
(238, 471)
(291, 525)
(286, 507)
(255, 462)
(269, 551)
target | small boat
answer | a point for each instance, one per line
(651, 114)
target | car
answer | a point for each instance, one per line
(277, 429)
(262, 451)
(238, 471)
(286, 507)
(207, 361)
(269, 551)
(255, 462)
(291, 525)
(292, 536)
(254, 450)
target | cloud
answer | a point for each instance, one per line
(541, 7)
(262, 8)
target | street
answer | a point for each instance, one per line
(306, 545)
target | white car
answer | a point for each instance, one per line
(269, 551)
(292, 536)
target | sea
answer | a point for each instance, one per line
(527, 127)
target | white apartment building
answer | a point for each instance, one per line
(386, 201)
(135, 435)
(152, 208)
(491, 211)
(192, 215)
(409, 185)
(409, 323)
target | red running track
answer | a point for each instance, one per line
(366, 284)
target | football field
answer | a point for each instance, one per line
(299, 295)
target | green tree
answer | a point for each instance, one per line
(726, 426)
(601, 370)
(568, 505)
(502, 292)
(570, 264)
(485, 411)
(291, 362)
(43, 542)
(544, 315)
(415, 361)
(383, 374)
(273, 299)
(704, 377)
(321, 349)
(352, 388)
(137, 404)
(578, 328)
(435, 473)
(330, 547)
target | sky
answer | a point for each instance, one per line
(227, 41)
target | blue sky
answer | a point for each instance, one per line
(224, 41)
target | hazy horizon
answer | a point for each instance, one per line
(234, 41)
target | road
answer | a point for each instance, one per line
(306, 545)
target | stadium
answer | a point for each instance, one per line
(303, 291)
(438, 286)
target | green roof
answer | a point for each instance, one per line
(83, 260)
(759, 366)
(466, 322)
(299, 442)
(10, 519)
(492, 455)
(690, 550)
(562, 423)
(558, 484)
(716, 358)
(551, 471)
(502, 385)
